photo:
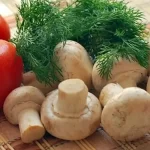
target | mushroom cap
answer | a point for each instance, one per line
(71, 128)
(22, 98)
(126, 116)
(75, 62)
(122, 70)
(29, 79)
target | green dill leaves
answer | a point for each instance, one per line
(38, 33)
(107, 29)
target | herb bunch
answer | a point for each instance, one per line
(37, 35)
(107, 29)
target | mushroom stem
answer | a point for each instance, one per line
(72, 95)
(108, 92)
(30, 125)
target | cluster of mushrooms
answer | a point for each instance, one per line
(72, 110)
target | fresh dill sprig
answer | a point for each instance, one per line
(107, 29)
(116, 32)
(38, 33)
(129, 50)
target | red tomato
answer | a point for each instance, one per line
(11, 68)
(4, 29)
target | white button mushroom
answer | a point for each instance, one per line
(75, 62)
(71, 112)
(22, 106)
(126, 113)
(126, 73)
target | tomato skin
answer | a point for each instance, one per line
(4, 29)
(11, 68)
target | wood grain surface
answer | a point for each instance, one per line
(10, 140)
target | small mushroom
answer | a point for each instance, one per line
(126, 73)
(126, 112)
(22, 106)
(71, 112)
(29, 79)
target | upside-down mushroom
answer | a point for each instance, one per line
(126, 112)
(71, 112)
(22, 106)
(126, 73)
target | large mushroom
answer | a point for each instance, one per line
(71, 112)
(74, 62)
(126, 73)
(22, 106)
(126, 112)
